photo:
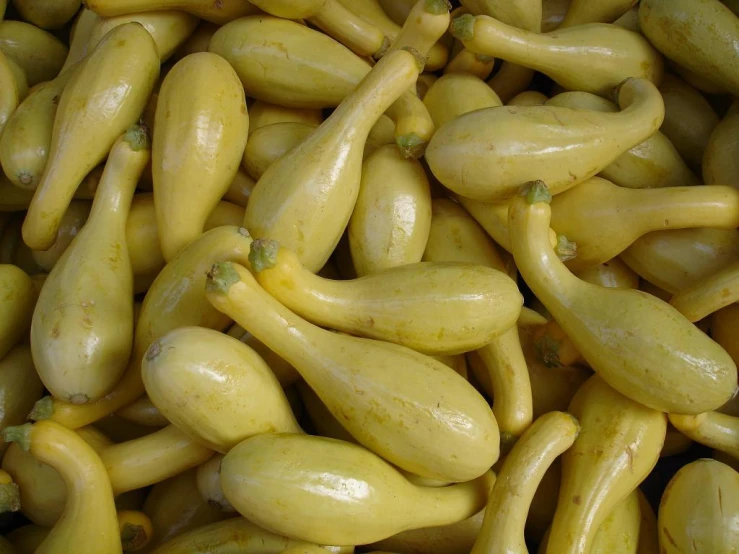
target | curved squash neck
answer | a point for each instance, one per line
(450, 504)
(117, 186)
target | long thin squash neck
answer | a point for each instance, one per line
(356, 115)
(450, 504)
(118, 183)
(642, 109)
(538, 51)
(544, 273)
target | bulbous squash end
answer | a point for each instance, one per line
(437, 7)
(263, 254)
(535, 192)
(220, 277)
(138, 137)
(463, 27)
(20, 434)
(42, 409)
(565, 249)
(10, 500)
(411, 145)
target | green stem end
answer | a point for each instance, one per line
(221, 276)
(463, 27)
(263, 254)
(10, 498)
(42, 409)
(566, 249)
(437, 7)
(20, 434)
(535, 192)
(138, 137)
(411, 145)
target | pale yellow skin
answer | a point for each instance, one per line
(630, 20)
(201, 130)
(415, 428)
(724, 326)
(488, 154)
(325, 424)
(458, 93)
(103, 99)
(39, 53)
(390, 224)
(142, 236)
(701, 35)
(604, 219)
(175, 506)
(284, 372)
(469, 63)
(14, 89)
(721, 156)
(677, 259)
(82, 329)
(614, 274)
(240, 189)
(593, 58)
(510, 80)
(47, 15)
(88, 523)
(135, 530)
(426, 23)
(220, 12)
(653, 163)
(305, 199)
(528, 98)
(20, 387)
(648, 533)
(404, 304)
(544, 503)
(637, 343)
(618, 445)
(234, 535)
(208, 479)
(270, 143)
(262, 114)
(702, 299)
(689, 119)
(169, 29)
(324, 490)
(43, 492)
(523, 469)
(712, 429)
(24, 145)
(699, 509)
(79, 35)
(198, 42)
(71, 224)
(143, 412)
(240, 397)
(524, 15)
(608, 11)
(19, 299)
(397, 10)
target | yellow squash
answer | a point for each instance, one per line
(677, 259)
(25, 142)
(305, 199)
(526, 14)
(712, 429)
(700, 35)
(103, 98)
(19, 299)
(200, 133)
(657, 358)
(488, 154)
(334, 19)
(581, 12)
(143, 412)
(240, 189)
(467, 62)
(20, 387)
(240, 397)
(234, 535)
(168, 28)
(135, 530)
(618, 446)
(329, 491)
(711, 294)
(458, 93)
(510, 80)
(721, 156)
(270, 143)
(528, 98)
(613, 274)
(416, 428)
(79, 34)
(523, 469)
(40, 54)
(592, 58)
(82, 329)
(47, 15)
(397, 10)
(699, 509)
(724, 327)
(432, 307)
(88, 523)
(604, 219)
(262, 114)
(208, 479)
(651, 164)
(426, 23)
(219, 12)
(689, 119)
(13, 91)
(390, 224)
(284, 372)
